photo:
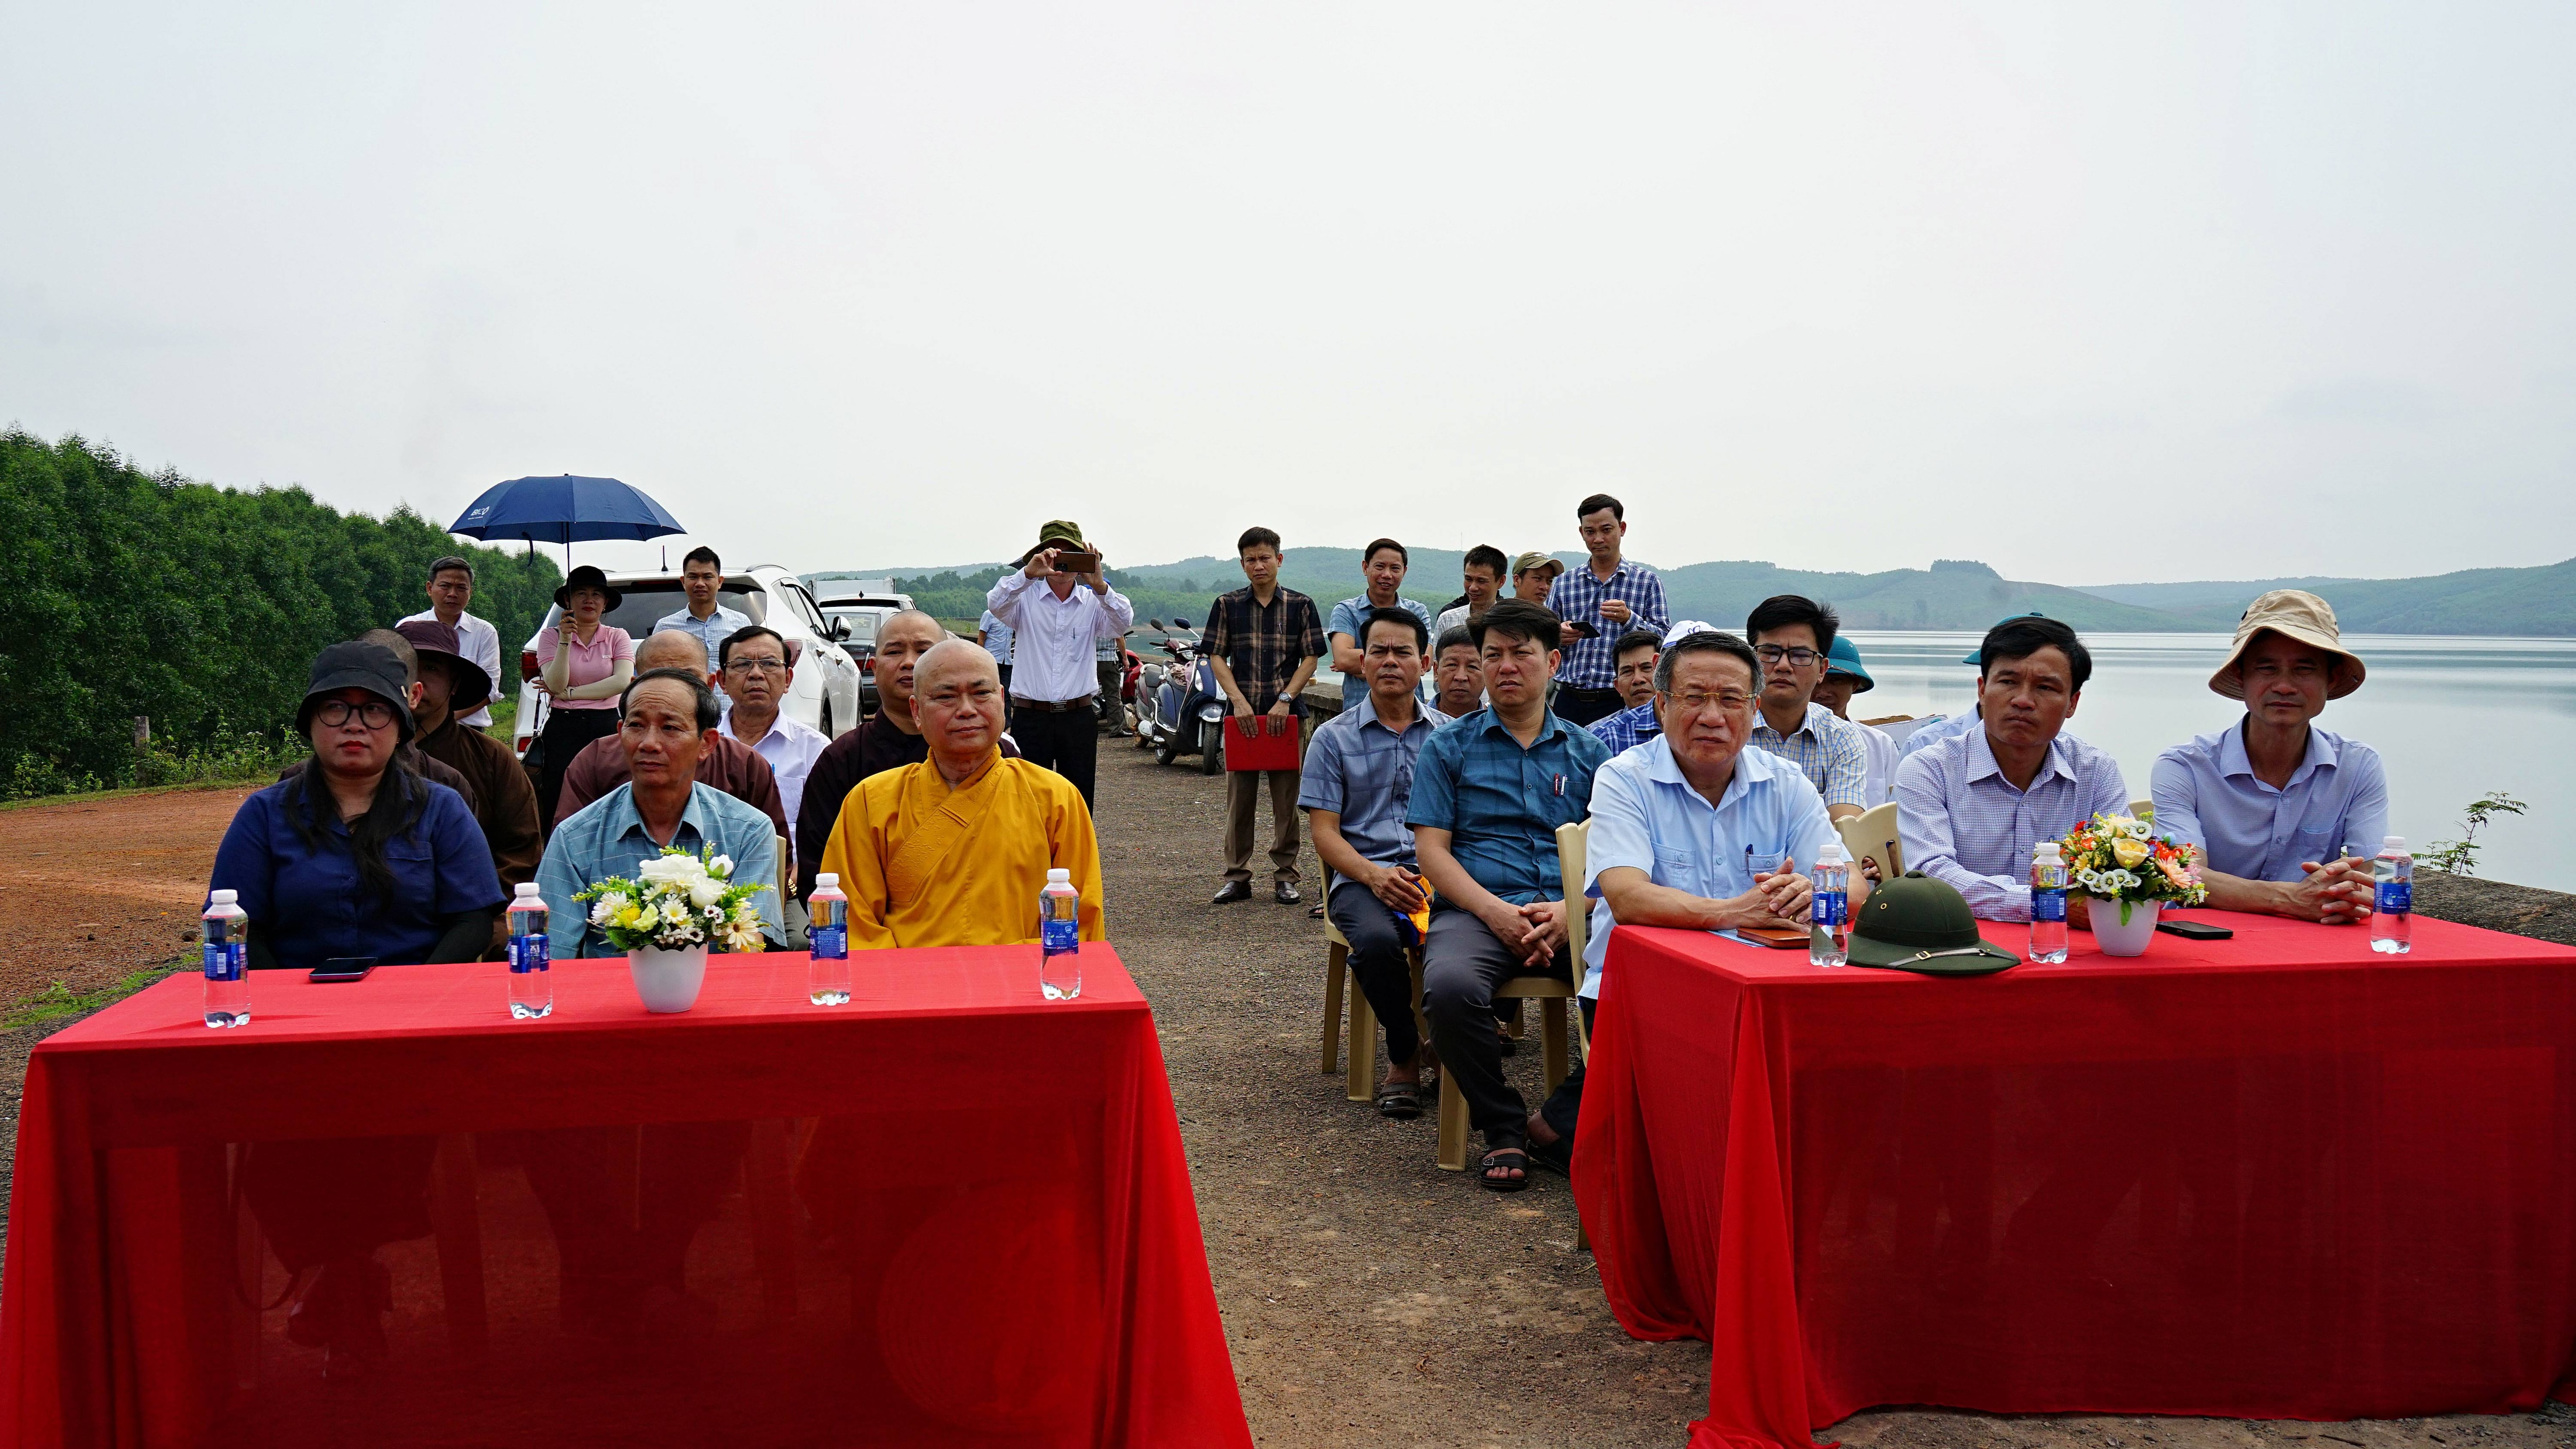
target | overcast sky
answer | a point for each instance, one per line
(2101, 293)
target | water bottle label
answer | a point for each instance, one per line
(2048, 905)
(529, 953)
(831, 943)
(2396, 897)
(1829, 908)
(1059, 936)
(226, 960)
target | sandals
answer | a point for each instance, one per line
(1503, 1157)
(1399, 1100)
(1556, 1157)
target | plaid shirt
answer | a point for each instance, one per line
(1628, 728)
(1263, 645)
(1828, 748)
(1501, 802)
(1576, 598)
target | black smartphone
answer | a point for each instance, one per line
(2195, 930)
(343, 968)
(1582, 629)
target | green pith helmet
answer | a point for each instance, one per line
(1921, 924)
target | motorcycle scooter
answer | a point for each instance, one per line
(1179, 709)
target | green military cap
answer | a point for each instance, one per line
(1058, 533)
(1922, 924)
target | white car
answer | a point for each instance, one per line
(855, 619)
(824, 689)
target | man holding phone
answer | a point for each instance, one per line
(1598, 603)
(1058, 605)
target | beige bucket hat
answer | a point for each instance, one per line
(2292, 614)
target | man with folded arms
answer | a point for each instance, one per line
(725, 763)
(1057, 620)
(1356, 785)
(1692, 829)
(1972, 806)
(1790, 634)
(2274, 802)
(1488, 795)
(954, 850)
(503, 801)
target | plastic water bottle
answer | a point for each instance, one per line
(532, 984)
(2392, 906)
(1060, 937)
(2047, 903)
(1829, 909)
(827, 932)
(227, 928)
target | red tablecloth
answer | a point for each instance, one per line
(2277, 1176)
(949, 1212)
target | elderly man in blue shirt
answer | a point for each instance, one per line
(1692, 829)
(666, 719)
(2286, 815)
(1971, 806)
(1488, 795)
(1356, 785)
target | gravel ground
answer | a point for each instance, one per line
(1369, 1298)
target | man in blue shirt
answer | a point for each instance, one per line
(1384, 563)
(1356, 785)
(701, 575)
(1488, 795)
(1611, 596)
(1635, 722)
(2286, 814)
(666, 719)
(1693, 828)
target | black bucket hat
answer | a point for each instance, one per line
(356, 665)
(436, 643)
(1922, 924)
(587, 576)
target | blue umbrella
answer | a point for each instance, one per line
(563, 509)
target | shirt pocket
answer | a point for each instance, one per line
(2318, 842)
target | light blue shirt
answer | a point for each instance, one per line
(2206, 793)
(1925, 736)
(997, 637)
(1963, 822)
(607, 837)
(1362, 771)
(1647, 816)
(1346, 620)
(712, 630)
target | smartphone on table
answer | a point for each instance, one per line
(343, 968)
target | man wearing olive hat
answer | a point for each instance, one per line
(1055, 629)
(2285, 814)
(450, 688)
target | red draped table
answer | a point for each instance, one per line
(948, 1212)
(2275, 1176)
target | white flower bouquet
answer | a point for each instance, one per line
(682, 901)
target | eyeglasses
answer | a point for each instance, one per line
(1730, 701)
(1773, 654)
(331, 714)
(758, 666)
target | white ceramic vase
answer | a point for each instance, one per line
(2124, 938)
(668, 980)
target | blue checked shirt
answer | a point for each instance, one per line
(1362, 771)
(1346, 620)
(607, 837)
(1576, 598)
(2206, 793)
(1961, 821)
(1501, 803)
(1827, 748)
(1628, 728)
(1648, 816)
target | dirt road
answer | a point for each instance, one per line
(104, 888)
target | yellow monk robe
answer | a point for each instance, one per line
(924, 865)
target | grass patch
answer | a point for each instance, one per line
(58, 1001)
(125, 792)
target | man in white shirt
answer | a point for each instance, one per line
(451, 588)
(754, 664)
(701, 575)
(1481, 575)
(1055, 632)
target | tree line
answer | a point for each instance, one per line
(133, 593)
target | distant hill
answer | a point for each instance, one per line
(1952, 594)
(2520, 601)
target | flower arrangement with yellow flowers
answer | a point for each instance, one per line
(682, 901)
(2120, 858)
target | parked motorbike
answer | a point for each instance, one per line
(1179, 709)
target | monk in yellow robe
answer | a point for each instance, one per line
(954, 850)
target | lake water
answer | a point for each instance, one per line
(2452, 718)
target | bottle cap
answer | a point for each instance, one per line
(223, 898)
(2393, 842)
(826, 880)
(2044, 850)
(527, 890)
(1832, 854)
(1059, 876)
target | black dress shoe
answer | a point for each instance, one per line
(1230, 892)
(1285, 894)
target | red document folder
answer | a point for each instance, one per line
(1260, 742)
